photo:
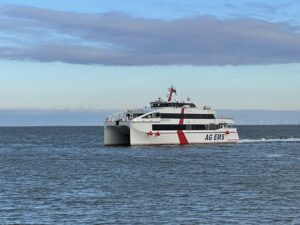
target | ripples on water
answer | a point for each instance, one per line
(65, 175)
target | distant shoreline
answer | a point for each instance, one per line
(33, 117)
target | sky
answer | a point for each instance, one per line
(108, 55)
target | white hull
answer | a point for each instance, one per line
(132, 134)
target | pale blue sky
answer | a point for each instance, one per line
(37, 73)
(65, 86)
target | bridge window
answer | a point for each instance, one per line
(149, 116)
(137, 115)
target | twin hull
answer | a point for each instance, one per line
(134, 133)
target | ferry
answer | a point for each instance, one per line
(168, 122)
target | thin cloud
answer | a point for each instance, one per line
(117, 39)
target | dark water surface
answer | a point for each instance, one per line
(55, 175)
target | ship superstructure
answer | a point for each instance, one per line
(168, 122)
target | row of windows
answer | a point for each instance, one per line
(134, 115)
(186, 116)
(175, 116)
(172, 104)
(180, 116)
(185, 127)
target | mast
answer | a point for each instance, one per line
(171, 91)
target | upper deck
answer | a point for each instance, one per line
(169, 111)
(161, 104)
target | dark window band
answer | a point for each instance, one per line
(185, 127)
(186, 116)
(172, 104)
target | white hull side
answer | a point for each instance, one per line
(140, 137)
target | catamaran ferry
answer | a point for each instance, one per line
(168, 122)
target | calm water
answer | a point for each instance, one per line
(65, 175)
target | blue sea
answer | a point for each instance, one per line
(64, 175)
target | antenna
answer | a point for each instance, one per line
(171, 91)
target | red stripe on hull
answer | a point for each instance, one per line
(181, 119)
(182, 138)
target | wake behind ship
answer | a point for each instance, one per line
(168, 122)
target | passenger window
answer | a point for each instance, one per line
(149, 116)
